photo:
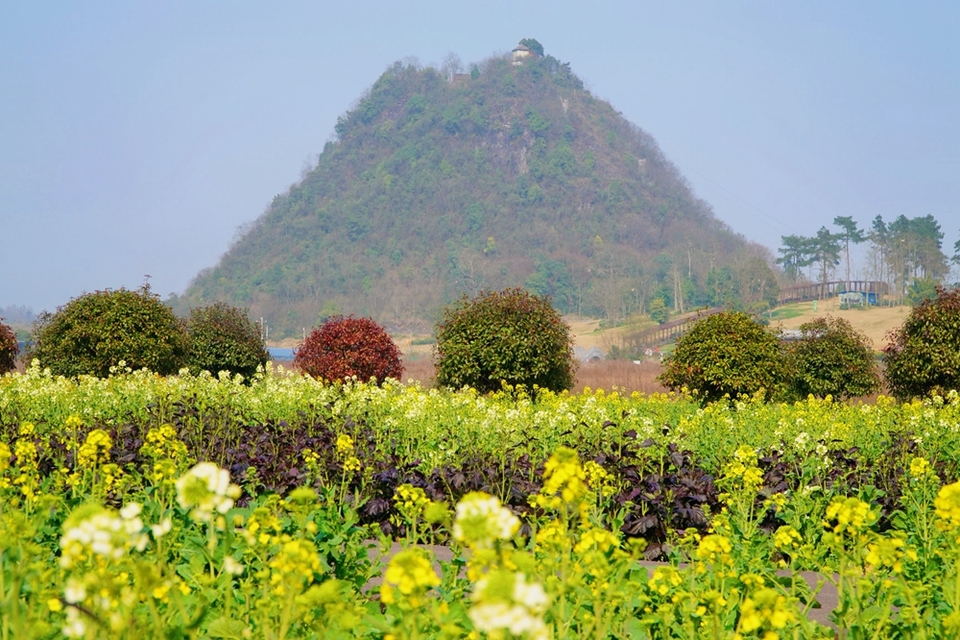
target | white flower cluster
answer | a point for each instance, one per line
(481, 520)
(103, 533)
(519, 610)
(206, 489)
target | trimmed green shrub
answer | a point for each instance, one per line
(8, 348)
(223, 338)
(510, 336)
(94, 332)
(349, 347)
(726, 355)
(923, 355)
(831, 358)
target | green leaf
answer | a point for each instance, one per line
(228, 628)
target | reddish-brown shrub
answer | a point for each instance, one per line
(8, 348)
(346, 347)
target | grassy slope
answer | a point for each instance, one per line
(873, 321)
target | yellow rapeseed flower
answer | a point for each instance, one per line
(163, 443)
(410, 572)
(849, 515)
(411, 499)
(715, 549)
(919, 468)
(95, 450)
(297, 562)
(889, 552)
(765, 610)
(344, 445)
(564, 480)
(665, 579)
(947, 504)
(786, 537)
(5, 455)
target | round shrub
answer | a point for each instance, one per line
(728, 354)
(94, 332)
(831, 358)
(8, 348)
(923, 355)
(510, 336)
(223, 338)
(349, 347)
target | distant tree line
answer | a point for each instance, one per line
(907, 254)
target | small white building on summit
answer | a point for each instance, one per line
(522, 52)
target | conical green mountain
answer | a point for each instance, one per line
(444, 183)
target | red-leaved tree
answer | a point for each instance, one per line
(8, 348)
(346, 347)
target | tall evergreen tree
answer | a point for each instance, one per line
(849, 232)
(796, 253)
(825, 249)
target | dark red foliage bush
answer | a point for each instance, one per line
(346, 347)
(8, 348)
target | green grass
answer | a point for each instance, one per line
(788, 311)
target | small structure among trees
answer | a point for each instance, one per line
(528, 49)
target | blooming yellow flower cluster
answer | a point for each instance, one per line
(264, 526)
(849, 515)
(26, 453)
(889, 552)
(5, 455)
(786, 538)
(665, 579)
(345, 451)
(744, 467)
(95, 450)
(410, 499)
(294, 566)
(162, 443)
(765, 611)
(598, 478)
(551, 536)
(715, 549)
(919, 468)
(563, 480)
(947, 504)
(410, 574)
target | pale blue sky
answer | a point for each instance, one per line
(136, 137)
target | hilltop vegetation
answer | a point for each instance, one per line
(442, 183)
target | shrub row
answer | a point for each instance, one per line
(730, 354)
(510, 337)
(96, 332)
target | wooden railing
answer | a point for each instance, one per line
(822, 290)
(667, 331)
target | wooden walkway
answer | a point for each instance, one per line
(667, 331)
(822, 290)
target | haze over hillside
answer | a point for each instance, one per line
(504, 173)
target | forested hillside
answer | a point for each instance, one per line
(442, 182)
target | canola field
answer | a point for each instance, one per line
(140, 506)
